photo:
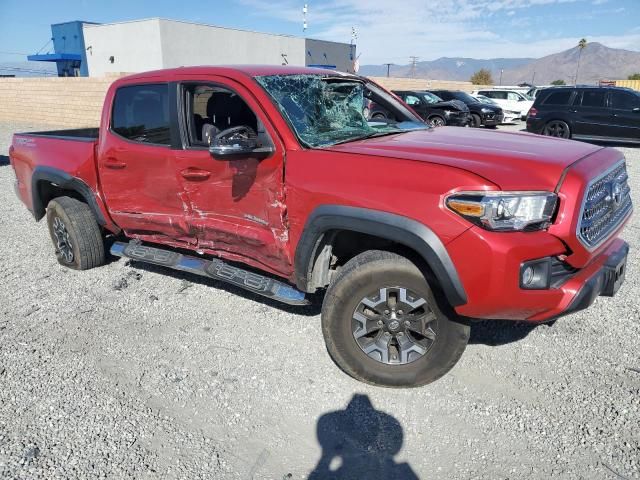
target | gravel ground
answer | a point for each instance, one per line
(132, 372)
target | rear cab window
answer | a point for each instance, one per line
(140, 113)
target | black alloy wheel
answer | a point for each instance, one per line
(394, 326)
(62, 240)
(558, 129)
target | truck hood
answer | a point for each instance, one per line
(512, 161)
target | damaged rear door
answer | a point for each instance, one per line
(236, 205)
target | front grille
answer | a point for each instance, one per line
(606, 205)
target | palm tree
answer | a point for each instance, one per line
(581, 46)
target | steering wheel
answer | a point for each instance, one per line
(235, 135)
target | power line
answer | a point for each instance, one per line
(14, 53)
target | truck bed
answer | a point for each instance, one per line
(78, 134)
(53, 156)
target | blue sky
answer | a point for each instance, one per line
(388, 31)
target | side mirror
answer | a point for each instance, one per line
(246, 149)
(238, 142)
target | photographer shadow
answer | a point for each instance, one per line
(360, 442)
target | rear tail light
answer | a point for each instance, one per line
(533, 112)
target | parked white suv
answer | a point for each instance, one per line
(509, 100)
(510, 116)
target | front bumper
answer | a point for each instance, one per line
(604, 282)
(458, 119)
(510, 117)
(489, 264)
(490, 119)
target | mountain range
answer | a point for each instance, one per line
(597, 62)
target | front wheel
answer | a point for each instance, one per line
(382, 325)
(476, 121)
(437, 121)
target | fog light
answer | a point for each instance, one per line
(536, 274)
(527, 276)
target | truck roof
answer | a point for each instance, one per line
(232, 71)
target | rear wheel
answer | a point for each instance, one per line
(476, 121)
(75, 234)
(382, 324)
(378, 116)
(557, 128)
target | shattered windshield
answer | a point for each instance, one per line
(325, 110)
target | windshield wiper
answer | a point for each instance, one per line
(370, 135)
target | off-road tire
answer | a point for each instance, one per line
(363, 274)
(83, 233)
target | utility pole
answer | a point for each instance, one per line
(501, 72)
(533, 79)
(388, 67)
(304, 18)
(581, 46)
(414, 62)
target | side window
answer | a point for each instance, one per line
(141, 114)
(624, 100)
(212, 109)
(499, 95)
(411, 100)
(486, 94)
(514, 97)
(593, 98)
(558, 98)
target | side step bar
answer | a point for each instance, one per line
(215, 268)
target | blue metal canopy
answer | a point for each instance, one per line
(54, 57)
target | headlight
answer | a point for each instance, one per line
(486, 110)
(505, 211)
(447, 113)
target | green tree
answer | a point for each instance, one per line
(582, 44)
(635, 76)
(558, 82)
(482, 77)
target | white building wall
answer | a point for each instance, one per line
(195, 44)
(153, 44)
(321, 52)
(135, 47)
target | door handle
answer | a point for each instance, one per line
(195, 174)
(112, 162)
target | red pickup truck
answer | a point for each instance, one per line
(272, 178)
